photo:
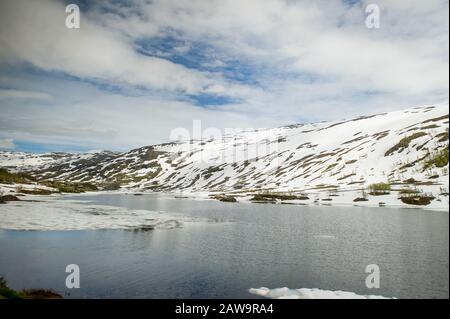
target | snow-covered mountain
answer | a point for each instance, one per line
(392, 147)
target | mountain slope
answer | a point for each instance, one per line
(392, 147)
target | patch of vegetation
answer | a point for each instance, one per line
(436, 119)
(7, 177)
(379, 189)
(8, 293)
(381, 135)
(443, 137)
(429, 127)
(411, 164)
(410, 181)
(355, 140)
(404, 143)
(111, 186)
(408, 191)
(211, 170)
(438, 159)
(330, 167)
(37, 191)
(346, 176)
(417, 199)
(275, 196)
(443, 191)
(69, 187)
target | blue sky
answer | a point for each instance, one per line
(136, 70)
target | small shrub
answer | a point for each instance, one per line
(379, 189)
(438, 159)
(6, 292)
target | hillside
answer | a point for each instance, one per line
(408, 147)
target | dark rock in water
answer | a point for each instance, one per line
(223, 198)
(143, 228)
(8, 198)
(229, 199)
(360, 199)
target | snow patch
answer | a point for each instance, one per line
(306, 293)
(71, 215)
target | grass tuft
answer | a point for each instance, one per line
(379, 189)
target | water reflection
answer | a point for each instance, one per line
(257, 245)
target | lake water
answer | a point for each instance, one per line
(244, 246)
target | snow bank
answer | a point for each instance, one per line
(306, 293)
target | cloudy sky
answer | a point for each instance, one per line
(136, 69)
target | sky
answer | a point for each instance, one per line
(137, 69)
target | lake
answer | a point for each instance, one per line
(244, 245)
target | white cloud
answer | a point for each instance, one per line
(81, 114)
(7, 144)
(20, 94)
(90, 52)
(311, 60)
(409, 52)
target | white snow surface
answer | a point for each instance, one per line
(306, 293)
(51, 214)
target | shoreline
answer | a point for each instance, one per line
(340, 198)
